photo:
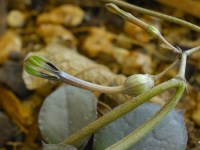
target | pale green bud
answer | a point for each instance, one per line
(138, 84)
(153, 31)
(41, 67)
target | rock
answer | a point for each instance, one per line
(52, 32)
(196, 112)
(7, 129)
(68, 15)
(136, 32)
(11, 76)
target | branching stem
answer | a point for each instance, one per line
(121, 110)
(193, 50)
(140, 132)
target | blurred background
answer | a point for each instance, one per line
(106, 50)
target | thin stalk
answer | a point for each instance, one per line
(140, 132)
(66, 78)
(131, 7)
(164, 72)
(193, 50)
(148, 28)
(181, 73)
(128, 16)
(121, 110)
(171, 47)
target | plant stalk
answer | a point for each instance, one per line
(131, 7)
(148, 28)
(127, 16)
(181, 73)
(140, 132)
(121, 110)
(193, 50)
(69, 79)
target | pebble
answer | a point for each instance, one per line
(7, 129)
(11, 76)
(16, 19)
(68, 15)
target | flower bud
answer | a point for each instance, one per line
(138, 84)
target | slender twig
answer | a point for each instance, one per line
(128, 16)
(131, 7)
(140, 132)
(148, 28)
(158, 76)
(168, 44)
(121, 110)
(193, 50)
(181, 73)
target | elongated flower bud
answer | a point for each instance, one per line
(138, 84)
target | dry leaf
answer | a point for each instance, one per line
(136, 62)
(14, 109)
(32, 104)
(68, 15)
(100, 42)
(10, 41)
(136, 32)
(195, 58)
(52, 33)
(196, 110)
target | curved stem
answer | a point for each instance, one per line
(164, 72)
(64, 77)
(130, 7)
(168, 44)
(193, 50)
(140, 132)
(121, 110)
(148, 28)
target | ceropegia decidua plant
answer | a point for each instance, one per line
(140, 86)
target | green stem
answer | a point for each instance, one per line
(140, 132)
(193, 50)
(148, 28)
(130, 7)
(168, 44)
(121, 110)
(181, 73)
(127, 16)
